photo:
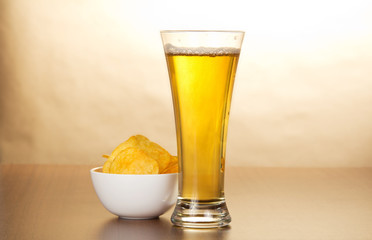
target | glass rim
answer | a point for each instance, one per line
(202, 31)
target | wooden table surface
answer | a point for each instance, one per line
(59, 202)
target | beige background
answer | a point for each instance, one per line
(79, 77)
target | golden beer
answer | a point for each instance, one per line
(202, 87)
(201, 66)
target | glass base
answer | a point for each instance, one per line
(200, 214)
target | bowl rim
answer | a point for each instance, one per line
(94, 171)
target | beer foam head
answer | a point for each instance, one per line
(173, 50)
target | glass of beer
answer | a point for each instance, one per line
(201, 66)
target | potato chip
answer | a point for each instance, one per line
(174, 159)
(133, 161)
(106, 166)
(131, 142)
(159, 154)
(164, 160)
(172, 167)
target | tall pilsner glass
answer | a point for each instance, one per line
(201, 66)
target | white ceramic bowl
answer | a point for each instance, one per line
(135, 196)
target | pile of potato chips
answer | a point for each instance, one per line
(138, 155)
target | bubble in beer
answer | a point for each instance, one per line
(200, 51)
